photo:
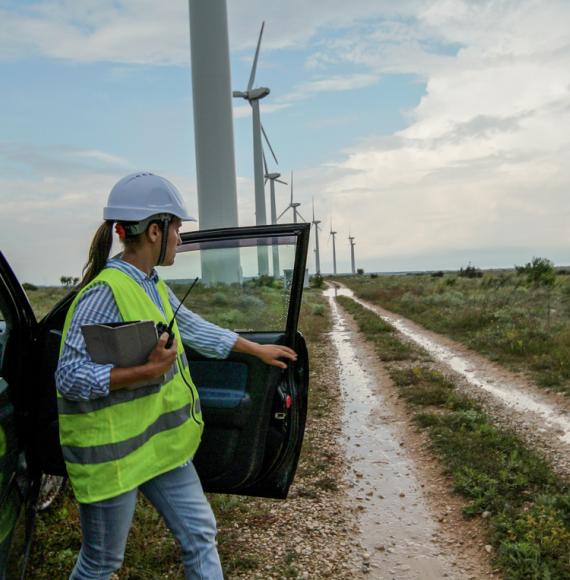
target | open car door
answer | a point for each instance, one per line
(17, 325)
(251, 281)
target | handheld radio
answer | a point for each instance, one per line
(162, 327)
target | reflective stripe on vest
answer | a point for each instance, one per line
(113, 444)
(102, 453)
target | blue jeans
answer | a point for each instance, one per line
(178, 497)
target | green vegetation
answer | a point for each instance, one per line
(44, 298)
(151, 551)
(259, 304)
(518, 318)
(388, 346)
(528, 508)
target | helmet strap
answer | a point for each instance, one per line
(165, 222)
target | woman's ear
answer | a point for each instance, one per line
(153, 232)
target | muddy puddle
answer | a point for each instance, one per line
(398, 532)
(508, 393)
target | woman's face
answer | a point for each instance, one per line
(173, 241)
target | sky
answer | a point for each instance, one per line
(436, 132)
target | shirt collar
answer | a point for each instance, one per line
(132, 271)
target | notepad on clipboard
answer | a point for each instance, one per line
(122, 344)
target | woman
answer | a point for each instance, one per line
(117, 436)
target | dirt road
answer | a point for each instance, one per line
(411, 525)
(540, 417)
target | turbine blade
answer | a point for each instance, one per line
(264, 162)
(299, 214)
(291, 187)
(269, 144)
(281, 181)
(313, 208)
(254, 65)
(282, 213)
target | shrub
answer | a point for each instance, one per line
(219, 299)
(319, 309)
(317, 281)
(28, 286)
(470, 271)
(538, 272)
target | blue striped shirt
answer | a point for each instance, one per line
(78, 377)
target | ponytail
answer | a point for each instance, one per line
(98, 253)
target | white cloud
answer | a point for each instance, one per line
(50, 212)
(483, 164)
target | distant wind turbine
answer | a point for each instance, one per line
(316, 223)
(292, 205)
(332, 235)
(352, 244)
(272, 178)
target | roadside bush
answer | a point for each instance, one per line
(29, 287)
(319, 310)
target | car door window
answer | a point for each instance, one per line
(245, 284)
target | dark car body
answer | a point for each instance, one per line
(254, 414)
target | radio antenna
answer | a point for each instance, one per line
(178, 307)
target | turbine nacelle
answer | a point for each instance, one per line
(253, 95)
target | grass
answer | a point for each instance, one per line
(527, 504)
(388, 346)
(500, 315)
(151, 551)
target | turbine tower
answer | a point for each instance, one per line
(213, 131)
(332, 235)
(352, 244)
(317, 254)
(292, 205)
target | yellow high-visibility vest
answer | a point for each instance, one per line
(115, 443)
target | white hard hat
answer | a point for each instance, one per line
(141, 195)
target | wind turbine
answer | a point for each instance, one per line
(272, 178)
(253, 96)
(317, 254)
(332, 235)
(292, 205)
(352, 244)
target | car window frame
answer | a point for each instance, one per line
(300, 230)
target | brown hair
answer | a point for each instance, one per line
(98, 252)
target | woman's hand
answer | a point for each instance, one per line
(271, 353)
(268, 353)
(161, 358)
